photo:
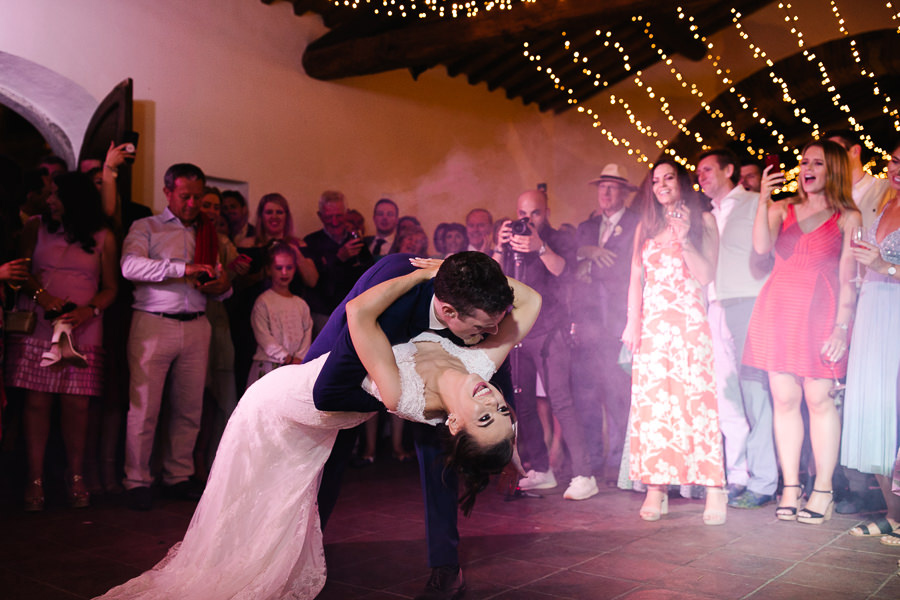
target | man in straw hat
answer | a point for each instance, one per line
(602, 390)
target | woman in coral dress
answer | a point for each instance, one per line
(674, 433)
(800, 324)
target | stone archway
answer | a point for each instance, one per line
(59, 108)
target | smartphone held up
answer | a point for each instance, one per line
(130, 139)
(774, 161)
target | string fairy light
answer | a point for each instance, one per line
(715, 114)
(825, 81)
(745, 102)
(759, 53)
(723, 74)
(584, 110)
(869, 75)
(895, 15)
(423, 8)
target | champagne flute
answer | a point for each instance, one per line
(674, 212)
(836, 392)
(857, 236)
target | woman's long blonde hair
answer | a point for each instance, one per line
(838, 178)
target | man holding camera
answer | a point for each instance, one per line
(340, 255)
(530, 250)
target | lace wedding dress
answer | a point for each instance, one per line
(255, 534)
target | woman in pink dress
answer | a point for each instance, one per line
(73, 274)
(800, 324)
(674, 433)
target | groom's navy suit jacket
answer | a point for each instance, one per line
(338, 387)
(338, 384)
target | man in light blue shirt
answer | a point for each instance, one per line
(168, 332)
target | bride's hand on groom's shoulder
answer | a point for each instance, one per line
(427, 266)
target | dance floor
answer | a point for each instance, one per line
(523, 549)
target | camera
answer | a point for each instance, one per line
(520, 227)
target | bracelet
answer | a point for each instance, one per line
(843, 326)
(37, 293)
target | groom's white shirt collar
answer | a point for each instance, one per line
(433, 322)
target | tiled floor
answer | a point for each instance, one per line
(525, 549)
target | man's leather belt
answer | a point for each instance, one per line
(179, 316)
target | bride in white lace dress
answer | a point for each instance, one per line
(255, 534)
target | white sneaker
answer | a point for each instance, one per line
(537, 480)
(581, 488)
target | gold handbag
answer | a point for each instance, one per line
(19, 321)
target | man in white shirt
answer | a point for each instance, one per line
(867, 190)
(168, 332)
(385, 216)
(745, 409)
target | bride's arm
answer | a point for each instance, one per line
(516, 325)
(370, 342)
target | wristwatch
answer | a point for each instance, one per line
(892, 270)
(95, 309)
(543, 250)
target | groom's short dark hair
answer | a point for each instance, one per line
(469, 281)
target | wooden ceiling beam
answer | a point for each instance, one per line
(334, 56)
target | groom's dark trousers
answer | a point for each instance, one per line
(338, 388)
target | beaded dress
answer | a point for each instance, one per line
(869, 440)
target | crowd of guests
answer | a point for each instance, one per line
(695, 333)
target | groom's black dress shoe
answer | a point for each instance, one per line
(445, 583)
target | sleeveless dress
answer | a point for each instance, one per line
(869, 440)
(255, 534)
(795, 311)
(66, 271)
(674, 425)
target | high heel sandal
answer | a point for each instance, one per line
(718, 515)
(813, 518)
(789, 513)
(34, 496)
(67, 349)
(79, 497)
(654, 513)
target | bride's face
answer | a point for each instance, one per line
(480, 409)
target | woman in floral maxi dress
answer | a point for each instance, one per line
(674, 433)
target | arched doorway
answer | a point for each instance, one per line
(72, 122)
(57, 107)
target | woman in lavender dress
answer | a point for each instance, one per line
(870, 439)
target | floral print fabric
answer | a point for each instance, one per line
(674, 426)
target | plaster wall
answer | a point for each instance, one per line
(220, 83)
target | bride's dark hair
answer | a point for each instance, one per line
(474, 463)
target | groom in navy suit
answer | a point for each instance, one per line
(458, 315)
